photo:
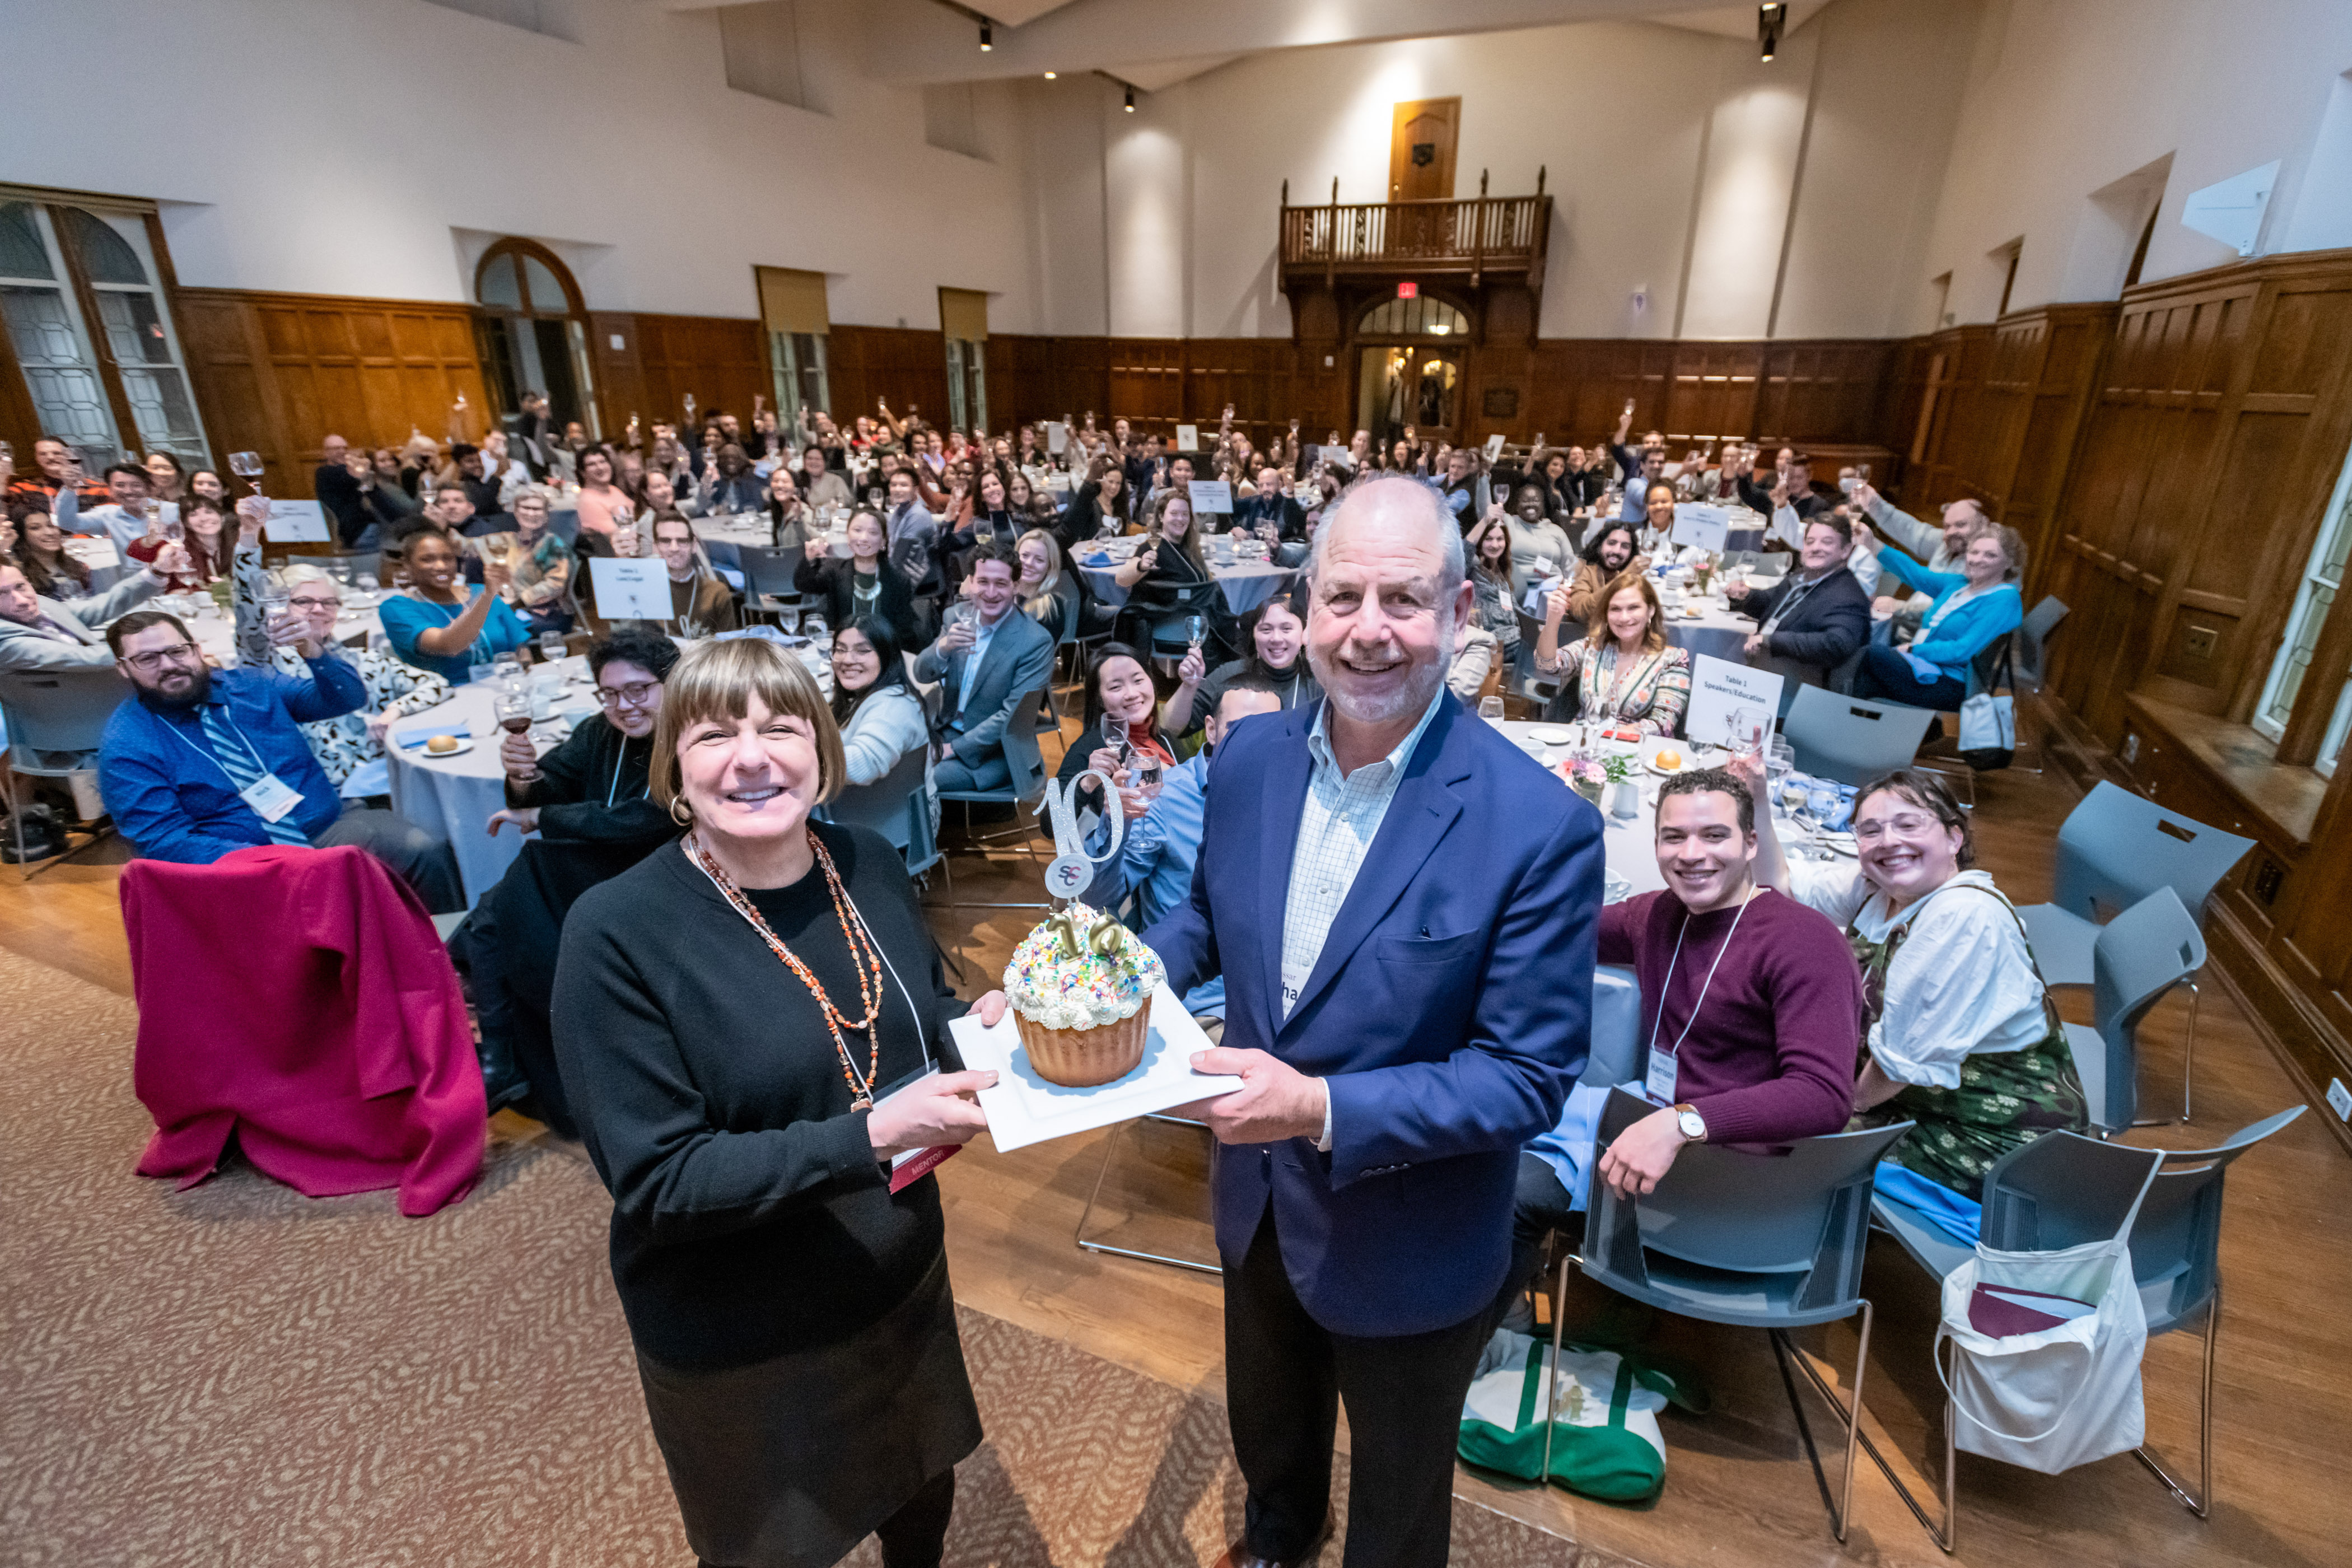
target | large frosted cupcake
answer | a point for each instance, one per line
(1081, 986)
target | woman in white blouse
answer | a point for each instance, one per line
(1960, 1036)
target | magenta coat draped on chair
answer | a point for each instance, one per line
(299, 999)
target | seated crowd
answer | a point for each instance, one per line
(940, 571)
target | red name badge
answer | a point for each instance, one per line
(915, 1164)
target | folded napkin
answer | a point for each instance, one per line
(410, 739)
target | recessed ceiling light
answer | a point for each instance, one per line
(1051, 74)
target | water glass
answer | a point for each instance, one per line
(551, 646)
(788, 619)
(365, 583)
(481, 674)
(1490, 709)
(814, 626)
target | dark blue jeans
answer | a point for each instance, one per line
(1886, 675)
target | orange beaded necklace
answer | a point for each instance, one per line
(863, 957)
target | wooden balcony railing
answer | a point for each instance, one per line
(1481, 233)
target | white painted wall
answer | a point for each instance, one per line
(2066, 97)
(1671, 156)
(385, 142)
(369, 147)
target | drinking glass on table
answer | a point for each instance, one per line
(788, 619)
(1780, 762)
(1490, 709)
(364, 582)
(551, 646)
(481, 674)
(507, 669)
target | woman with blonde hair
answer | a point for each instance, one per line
(1973, 607)
(786, 1293)
(1043, 592)
(1626, 674)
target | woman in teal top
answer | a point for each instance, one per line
(1973, 607)
(435, 627)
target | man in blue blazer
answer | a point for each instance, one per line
(1403, 906)
(985, 664)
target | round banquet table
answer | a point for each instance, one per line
(455, 795)
(1719, 633)
(1245, 585)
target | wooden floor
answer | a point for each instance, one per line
(1739, 1492)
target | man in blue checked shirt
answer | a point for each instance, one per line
(1155, 861)
(202, 762)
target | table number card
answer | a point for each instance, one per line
(1057, 437)
(1188, 437)
(1494, 447)
(1731, 705)
(296, 523)
(1213, 495)
(631, 590)
(1698, 524)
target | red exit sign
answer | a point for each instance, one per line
(1408, 290)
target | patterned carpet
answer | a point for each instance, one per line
(236, 1376)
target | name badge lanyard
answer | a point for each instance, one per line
(1659, 1083)
(270, 796)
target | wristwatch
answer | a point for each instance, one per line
(1690, 1124)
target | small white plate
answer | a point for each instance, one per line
(1553, 737)
(464, 744)
(1652, 764)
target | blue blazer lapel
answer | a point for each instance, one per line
(1423, 808)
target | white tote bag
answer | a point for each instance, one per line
(2056, 1396)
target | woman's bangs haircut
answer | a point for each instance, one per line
(716, 681)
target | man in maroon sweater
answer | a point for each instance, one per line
(1751, 1011)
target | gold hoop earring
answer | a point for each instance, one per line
(681, 813)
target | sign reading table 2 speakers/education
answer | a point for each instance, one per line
(1731, 705)
(631, 590)
(1213, 495)
(295, 523)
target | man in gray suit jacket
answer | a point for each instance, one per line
(45, 634)
(985, 664)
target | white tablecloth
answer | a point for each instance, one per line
(1245, 585)
(1719, 633)
(455, 797)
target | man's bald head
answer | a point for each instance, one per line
(1393, 500)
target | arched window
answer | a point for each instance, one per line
(1419, 317)
(73, 281)
(534, 332)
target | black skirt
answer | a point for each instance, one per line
(790, 1463)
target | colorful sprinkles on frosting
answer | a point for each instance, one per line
(1053, 988)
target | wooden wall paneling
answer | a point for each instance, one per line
(906, 365)
(721, 360)
(277, 373)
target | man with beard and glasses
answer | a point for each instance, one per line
(1750, 1005)
(1403, 906)
(201, 762)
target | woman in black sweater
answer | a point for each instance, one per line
(794, 1332)
(864, 584)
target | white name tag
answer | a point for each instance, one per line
(1294, 981)
(1660, 1083)
(271, 798)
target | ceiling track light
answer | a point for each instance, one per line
(987, 38)
(1051, 74)
(1130, 105)
(1769, 19)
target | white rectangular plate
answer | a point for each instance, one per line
(1023, 1108)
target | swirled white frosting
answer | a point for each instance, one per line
(1050, 987)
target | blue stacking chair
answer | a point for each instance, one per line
(2113, 849)
(1771, 1242)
